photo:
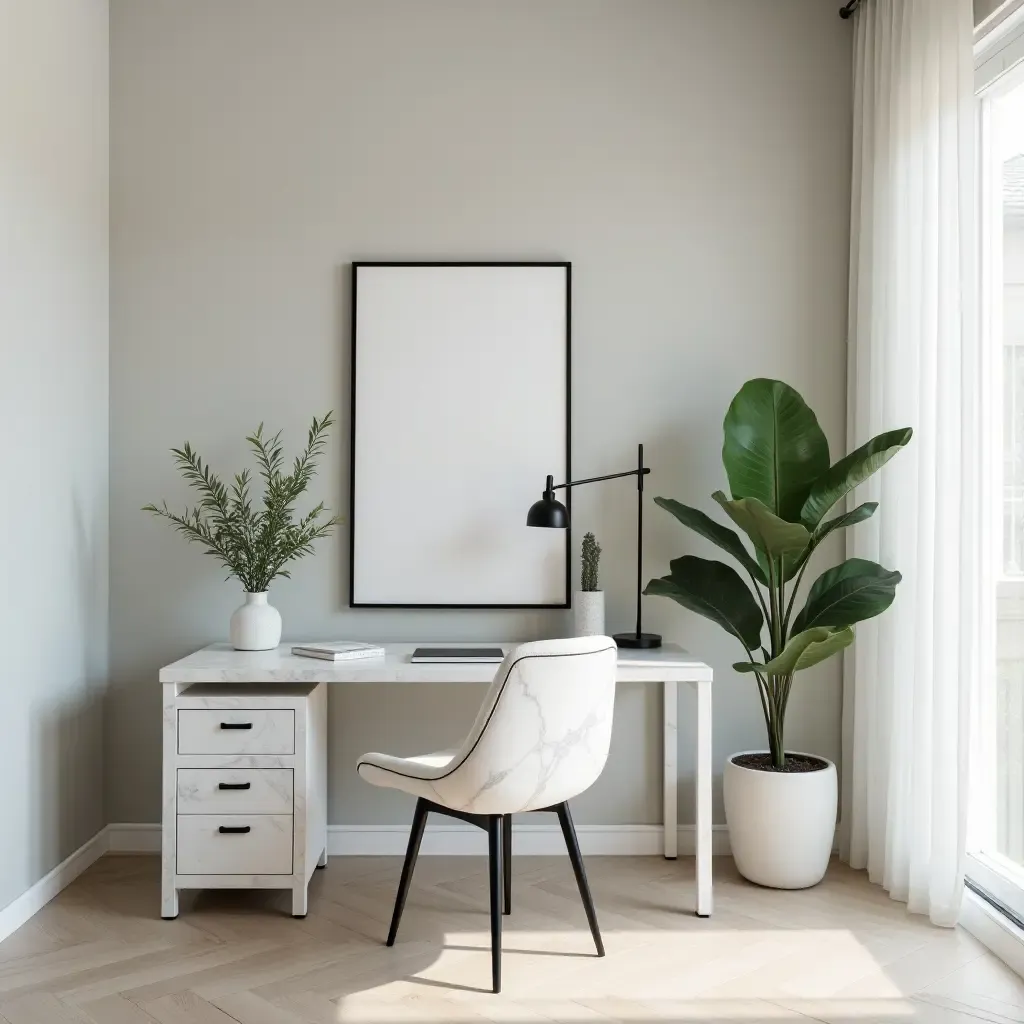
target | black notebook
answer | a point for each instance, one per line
(470, 655)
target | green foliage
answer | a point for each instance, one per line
(254, 544)
(769, 534)
(803, 650)
(774, 449)
(782, 486)
(591, 561)
(850, 592)
(847, 473)
(720, 535)
(716, 591)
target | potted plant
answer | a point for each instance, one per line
(590, 598)
(254, 545)
(780, 805)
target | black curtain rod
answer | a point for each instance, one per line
(846, 11)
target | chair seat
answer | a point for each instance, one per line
(413, 775)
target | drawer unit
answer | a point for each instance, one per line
(235, 844)
(244, 788)
(231, 731)
(235, 790)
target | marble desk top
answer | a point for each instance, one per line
(219, 663)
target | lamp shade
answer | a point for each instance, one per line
(548, 513)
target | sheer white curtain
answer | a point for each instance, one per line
(914, 361)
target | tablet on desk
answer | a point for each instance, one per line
(463, 655)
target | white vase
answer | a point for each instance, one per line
(589, 612)
(256, 625)
(781, 824)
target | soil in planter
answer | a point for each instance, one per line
(794, 763)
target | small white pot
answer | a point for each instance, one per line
(589, 611)
(256, 625)
(781, 824)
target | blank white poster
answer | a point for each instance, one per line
(461, 410)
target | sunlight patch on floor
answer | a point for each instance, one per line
(743, 975)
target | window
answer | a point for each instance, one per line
(996, 844)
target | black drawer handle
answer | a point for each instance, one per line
(236, 725)
(235, 785)
(233, 830)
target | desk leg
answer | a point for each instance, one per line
(704, 775)
(670, 724)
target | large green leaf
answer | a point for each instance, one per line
(851, 592)
(716, 591)
(803, 650)
(767, 532)
(848, 472)
(725, 538)
(841, 522)
(793, 563)
(774, 449)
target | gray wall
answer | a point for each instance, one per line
(691, 157)
(54, 397)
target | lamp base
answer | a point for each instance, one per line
(644, 640)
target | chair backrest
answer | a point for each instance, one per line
(542, 733)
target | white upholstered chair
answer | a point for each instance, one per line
(541, 738)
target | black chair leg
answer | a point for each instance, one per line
(419, 823)
(569, 832)
(494, 859)
(506, 860)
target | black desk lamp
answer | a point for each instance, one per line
(553, 514)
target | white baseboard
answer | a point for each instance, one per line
(994, 930)
(462, 840)
(30, 902)
(372, 841)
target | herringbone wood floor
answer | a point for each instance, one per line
(842, 952)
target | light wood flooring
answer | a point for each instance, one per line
(842, 952)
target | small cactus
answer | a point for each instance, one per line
(591, 558)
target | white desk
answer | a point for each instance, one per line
(668, 666)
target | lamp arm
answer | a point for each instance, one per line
(598, 479)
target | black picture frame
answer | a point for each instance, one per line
(541, 470)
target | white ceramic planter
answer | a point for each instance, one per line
(256, 625)
(588, 609)
(781, 824)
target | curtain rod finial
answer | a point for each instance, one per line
(847, 10)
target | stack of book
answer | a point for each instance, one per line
(341, 650)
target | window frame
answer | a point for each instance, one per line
(999, 69)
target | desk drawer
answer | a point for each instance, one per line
(236, 731)
(235, 790)
(260, 844)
